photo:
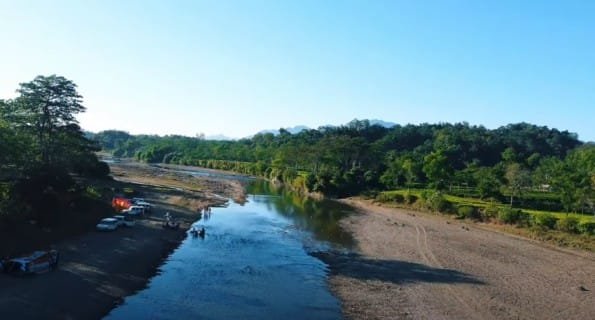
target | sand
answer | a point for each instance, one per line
(412, 265)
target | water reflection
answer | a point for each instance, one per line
(253, 263)
(321, 217)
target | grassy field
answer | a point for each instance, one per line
(560, 228)
(478, 203)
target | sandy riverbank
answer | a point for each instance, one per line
(411, 265)
(98, 269)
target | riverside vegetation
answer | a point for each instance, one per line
(519, 174)
(48, 167)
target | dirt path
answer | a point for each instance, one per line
(419, 266)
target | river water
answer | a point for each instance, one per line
(253, 263)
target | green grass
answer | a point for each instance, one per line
(461, 201)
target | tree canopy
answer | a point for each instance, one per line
(358, 156)
(42, 147)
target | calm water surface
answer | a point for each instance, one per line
(252, 264)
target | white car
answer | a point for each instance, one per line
(134, 210)
(107, 224)
(147, 206)
(136, 200)
(128, 220)
(120, 220)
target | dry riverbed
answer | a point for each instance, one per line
(98, 269)
(411, 265)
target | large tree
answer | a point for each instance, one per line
(47, 106)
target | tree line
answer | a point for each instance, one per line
(44, 154)
(521, 162)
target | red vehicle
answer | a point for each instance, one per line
(121, 203)
(35, 263)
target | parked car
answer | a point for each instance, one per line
(136, 200)
(134, 210)
(128, 220)
(147, 206)
(107, 224)
(120, 219)
(35, 263)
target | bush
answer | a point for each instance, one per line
(568, 224)
(129, 192)
(390, 197)
(434, 200)
(545, 220)
(410, 198)
(586, 227)
(468, 212)
(398, 198)
(489, 212)
(512, 216)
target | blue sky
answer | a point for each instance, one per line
(237, 67)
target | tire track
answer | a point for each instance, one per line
(427, 255)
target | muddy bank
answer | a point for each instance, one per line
(411, 265)
(98, 269)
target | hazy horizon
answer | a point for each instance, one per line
(235, 68)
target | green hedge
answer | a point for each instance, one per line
(435, 201)
(545, 220)
(513, 216)
(468, 212)
(586, 227)
(568, 224)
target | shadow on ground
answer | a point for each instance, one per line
(355, 266)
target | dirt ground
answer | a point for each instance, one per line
(411, 265)
(98, 269)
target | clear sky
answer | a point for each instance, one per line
(237, 67)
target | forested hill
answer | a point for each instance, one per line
(359, 156)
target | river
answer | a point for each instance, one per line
(253, 263)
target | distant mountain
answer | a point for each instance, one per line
(292, 130)
(300, 128)
(218, 137)
(386, 124)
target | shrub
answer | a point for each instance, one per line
(489, 212)
(512, 216)
(410, 198)
(398, 198)
(390, 197)
(586, 227)
(545, 220)
(434, 200)
(469, 212)
(568, 224)
(129, 192)
(92, 192)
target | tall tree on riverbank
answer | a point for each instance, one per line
(42, 148)
(47, 107)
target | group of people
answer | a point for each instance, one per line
(169, 222)
(197, 232)
(205, 212)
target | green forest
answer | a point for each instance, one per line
(511, 163)
(46, 160)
